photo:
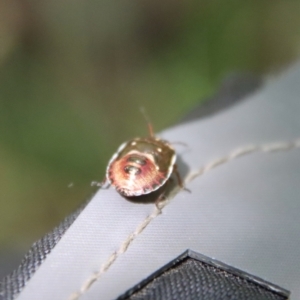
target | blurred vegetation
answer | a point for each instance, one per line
(73, 75)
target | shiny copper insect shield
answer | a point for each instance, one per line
(141, 166)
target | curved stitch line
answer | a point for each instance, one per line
(124, 246)
(265, 148)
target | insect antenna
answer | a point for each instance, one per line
(150, 127)
(179, 143)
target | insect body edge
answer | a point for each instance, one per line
(141, 166)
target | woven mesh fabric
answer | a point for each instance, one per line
(12, 284)
(193, 279)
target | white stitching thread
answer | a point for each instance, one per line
(267, 148)
(105, 266)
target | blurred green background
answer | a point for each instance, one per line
(73, 75)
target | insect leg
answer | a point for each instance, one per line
(179, 180)
(160, 200)
(178, 176)
(102, 184)
(179, 143)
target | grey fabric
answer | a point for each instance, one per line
(242, 167)
(232, 90)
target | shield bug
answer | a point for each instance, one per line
(142, 165)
